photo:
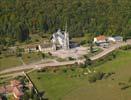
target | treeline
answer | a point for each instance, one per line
(19, 18)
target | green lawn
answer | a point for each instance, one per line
(61, 86)
(57, 85)
(7, 62)
(123, 60)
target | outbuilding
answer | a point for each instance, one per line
(100, 39)
(118, 38)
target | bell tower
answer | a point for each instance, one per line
(66, 40)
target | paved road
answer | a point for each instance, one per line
(110, 49)
(52, 64)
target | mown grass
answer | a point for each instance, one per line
(57, 84)
(123, 59)
(60, 85)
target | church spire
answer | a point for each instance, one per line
(66, 27)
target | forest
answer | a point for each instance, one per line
(20, 18)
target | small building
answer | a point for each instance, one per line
(32, 48)
(45, 48)
(118, 38)
(39, 47)
(100, 39)
(17, 89)
(14, 88)
(115, 39)
(111, 39)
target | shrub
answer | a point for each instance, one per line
(70, 58)
(72, 69)
(38, 78)
(121, 83)
(114, 55)
(43, 55)
(129, 79)
(127, 47)
(95, 77)
(108, 74)
(125, 87)
(99, 75)
(28, 57)
(43, 70)
(64, 70)
(92, 79)
(19, 54)
(83, 42)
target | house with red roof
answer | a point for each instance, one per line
(15, 88)
(100, 39)
(17, 92)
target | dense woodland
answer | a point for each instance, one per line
(20, 18)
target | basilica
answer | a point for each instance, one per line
(60, 38)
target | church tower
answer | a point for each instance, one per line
(66, 40)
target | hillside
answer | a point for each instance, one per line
(19, 18)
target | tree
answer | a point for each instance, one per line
(91, 47)
(88, 61)
(18, 52)
(23, 32)
(26, 96)
(43, 55)
(36, 97)
(109, 17)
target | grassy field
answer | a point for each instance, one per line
(31, 57)
(58, 84)
(7, 62)
(13, 61)
(73, 85)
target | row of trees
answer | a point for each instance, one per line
(18, 18)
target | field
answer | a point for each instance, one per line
(13, 61)
(71, 84)
(31, 57)
(7, 62)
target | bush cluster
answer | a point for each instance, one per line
(95, 77)
(127, 47)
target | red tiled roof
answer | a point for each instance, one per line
(15, 83)
(9, 88)
(2, 90)
(101, 37)
(17, 92)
